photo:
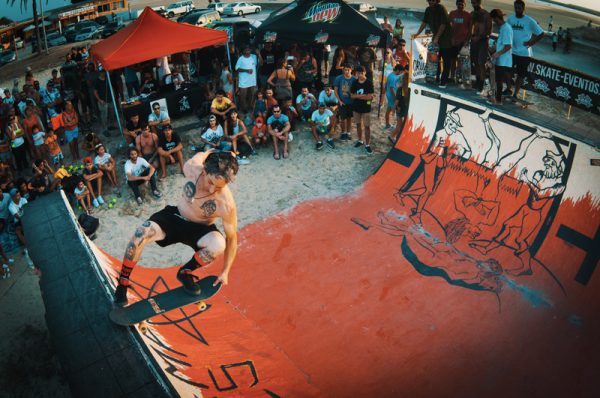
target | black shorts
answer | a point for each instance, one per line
(479, 52)
(520, 65)
(402, 108)
(345, 112)
(179, 230)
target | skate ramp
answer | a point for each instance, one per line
(466, 266)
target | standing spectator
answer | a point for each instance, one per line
(270, 100)
(30, 121)
(102, 96)
(93, 176)
(132, 83)
(8, 98)
(57, 81)
(568, 41)
(182, 62)
(214, 137)
(260, 105)
(5, 153)
(322, 125)
(554, 41)
(149, 84)
(17, 136)
(306, 103)
(526, 33)
(362, 95)
(337, 64)
(174, 80)
(398, 31)
(227, 81)
(90, 75)
(158, 118)
(268, 65)
(138, 172)
(392, 85)
(460, 20)
(147, 145)
(82, 194)
(39, 149)
(367, 58)
(56, 155)
(51, 100)
(400, 105)
(162, 65)
(281, 80)
(550, 20)
(221, 105)
(235, 129)
(386, 25)
(436, 17)
(342, 87)
(70, 122)
(16, 210)
(170, 150)
(306, 71)
(481, 27)
(400, 54)
(279, 129)
(247, 68)
(502, 57)
(106, 164)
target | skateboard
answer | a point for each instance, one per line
(433, 61)
(463, 73)
(518, 101)
(491, 92)
(139, 312)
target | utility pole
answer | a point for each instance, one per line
(43, 25)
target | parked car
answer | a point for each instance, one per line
(72, 30)
(55, 39)
(88, 33)
(241, 9)
(7, 56)
(239, 30)
(218, 7)
(179, 8)
(200, 17)
(363, 7)
(112, 27)
(102, 19)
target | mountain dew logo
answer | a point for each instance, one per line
(373, 40)
(321, 37)
(322, 12)
(270, 37)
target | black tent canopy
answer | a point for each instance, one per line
(327, 22)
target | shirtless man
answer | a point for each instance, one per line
(147, 145)
(205, 198)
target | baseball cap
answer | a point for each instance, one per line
(87, 159)
(13, 192)
(212, 117)
(497, 13)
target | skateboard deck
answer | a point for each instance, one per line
(143, 310)
(518, 101)
(492, 79)
(433, 60)
(463, 73)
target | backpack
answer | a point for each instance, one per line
(89, 224)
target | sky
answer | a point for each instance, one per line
(14, 12)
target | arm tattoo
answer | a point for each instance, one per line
(206, 255)
(209, 207)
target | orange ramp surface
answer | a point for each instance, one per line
(464, 267)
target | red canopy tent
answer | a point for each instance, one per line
(152, 36)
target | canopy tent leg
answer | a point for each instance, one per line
(114, 102)
(381, 87)
(230, 68)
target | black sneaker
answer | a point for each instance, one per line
(368, 149)
(330, 143)
(345, 137)
(319, 145)
(121, 296)
(358, 144)
(188, 281)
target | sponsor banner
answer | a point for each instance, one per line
(373, 40)
(270, 37)
(419, 57)
(228, 29)
(77, 11)
(565, 85)
(323, 12)
(321, 37)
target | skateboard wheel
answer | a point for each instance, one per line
(142, 327)
(202, 306)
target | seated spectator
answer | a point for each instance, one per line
(38, 136)
(213, 137)
(260, 105)
(170, 150)
(174, 79)
(328, 97)
(133, 128)
(149, 84)
(82, 193)
(147, 146)
(158, 119)
(270, 101)
(220, 106)
(93, 177)
(288, 109)
(16, 210)
(259, 131)
(306, 103)
(235, 129)
(279, 128)
(138, 172)
(40, 183)
(90, 143)
(107, 165)
(322, 125)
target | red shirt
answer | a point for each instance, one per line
(460, 22)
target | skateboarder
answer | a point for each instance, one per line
(205, 198)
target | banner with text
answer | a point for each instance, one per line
(574, 88)
(418, 55)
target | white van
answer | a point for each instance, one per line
(180, 7)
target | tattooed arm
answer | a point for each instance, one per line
(192, 167)
(230, 227)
